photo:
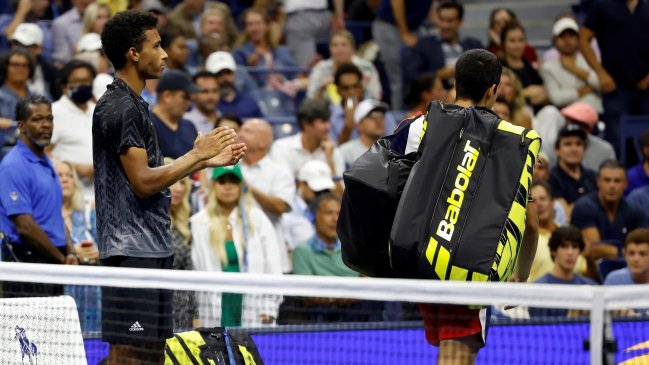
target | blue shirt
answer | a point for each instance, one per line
(550, 279)
(589, 212)
(416, 12)
(623, 38)
(281, 57)
(639, 198)
(566, 187)
(30, 185)
(619, 277)
(174, 143)
(636, 177)
(243, 105)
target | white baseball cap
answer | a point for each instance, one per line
(367, 106)
(317, 175)
(28, 34)
(219, 61)
(89, 42)
(564, 24)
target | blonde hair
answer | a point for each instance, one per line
(218, 223)
(231, 33)
(518, 101)
(90, 15)
(181, 213)
(243, 38)
(345, 34)
(76, 201)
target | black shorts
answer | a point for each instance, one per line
(133, 315)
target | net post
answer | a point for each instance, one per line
(597, 327)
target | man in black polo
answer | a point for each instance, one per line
(131, 188)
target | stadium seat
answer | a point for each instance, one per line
(283, 126)
(631, 126)
(275, 103)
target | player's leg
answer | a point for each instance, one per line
(459, 351)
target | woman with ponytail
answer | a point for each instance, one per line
(232, 235)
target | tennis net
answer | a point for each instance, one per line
(314, 320)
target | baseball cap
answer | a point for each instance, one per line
(28, 34)
(367, 106)
(219, 61)
(564, 24)
(154, 6)
(174, 80)
(234, 170)
(317, 175)
(581, 112)
(89, 42)
(571, 130)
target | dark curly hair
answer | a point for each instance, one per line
(123, 31)
(6, 56)
(64, 73)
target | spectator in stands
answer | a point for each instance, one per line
(396, 25)
(204, 113)
(503, 109)
(31, 200)
(257, 49)
(79, 214)
(568, 78)
(312, 143)
(636, 254)
(175, 45)
(604, 216)
(542, 169)
(424, 89)
(226, 233)
(639, 198)
(94, 18)
(348, 80)
(72, 137)
(232, 100)
(16, 68)
(622, 30)
(184, 302)
(271, 183)
(438, 54)
(638, 175)
(369, 117)
(217, 22)
(308, 22)
(566, 245)
(89, 49)
(67, 29)
(342, 47)
(176, 135)
(313, 180)
(569, 179)
(321, 255)
(513, 47)
(186, 16)
(26, 12)
(230, 121)
(498, 19)
(30, 36)
(511, 90)
(157, 8)
(542, 194)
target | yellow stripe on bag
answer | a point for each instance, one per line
(248, 359)
(193, 340)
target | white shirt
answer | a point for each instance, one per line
(297, 227)
(351, 150)
(72, 136)
(289, 150)
(563, 86)
(275, 179)
(202, 123)
(260, 255)
(291, 6)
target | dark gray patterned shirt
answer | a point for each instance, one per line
(127, 225)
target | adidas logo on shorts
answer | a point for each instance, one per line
(136, 327)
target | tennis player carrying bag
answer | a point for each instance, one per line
(462, 212)
(373, 185)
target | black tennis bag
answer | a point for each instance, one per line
(207, 346)
(373, 185)
(462, 212)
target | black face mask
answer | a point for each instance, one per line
(226, 88)
(81, 94)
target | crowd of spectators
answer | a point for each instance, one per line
(308, 97)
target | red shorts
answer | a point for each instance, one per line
(447, 322)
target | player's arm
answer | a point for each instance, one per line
(33, 235)
(528, 246)
(217, 148)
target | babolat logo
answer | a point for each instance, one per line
(465, 170)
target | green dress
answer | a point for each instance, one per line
(231, 303)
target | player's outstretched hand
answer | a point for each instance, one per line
(230, 155)
(210, 145)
